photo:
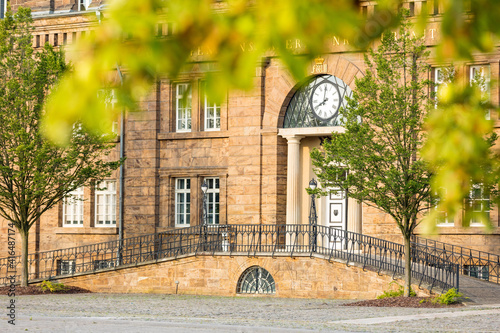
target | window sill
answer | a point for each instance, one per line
(192, 135)
(87, 231)
(454, 230)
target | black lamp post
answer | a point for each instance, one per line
(204, 189)
(313, 217)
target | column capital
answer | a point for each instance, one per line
(293, 139)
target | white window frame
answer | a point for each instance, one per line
(213, 200)
(85, 4)
(105, 197)
(482, 200)
(438, 81)
(70, 269)
(485, 72)
(182, 202)
(214, 118)
(110, 102)
(447, 221)
(73, 208)
(183, 113)
(3, 9)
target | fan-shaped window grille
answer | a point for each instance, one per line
(256, 280)
(299, 112)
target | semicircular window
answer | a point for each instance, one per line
(317, 103)
(256, 280)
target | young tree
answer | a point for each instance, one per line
(376, 160)
(35, 175)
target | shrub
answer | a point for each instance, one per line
(52, 287)
(450, 297)
(396, 293)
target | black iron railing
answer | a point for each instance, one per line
(474, 263)
(250, 240)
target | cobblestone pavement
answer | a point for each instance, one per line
(178, 313)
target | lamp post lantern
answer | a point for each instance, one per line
(313, 217)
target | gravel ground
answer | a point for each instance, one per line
(177, 313)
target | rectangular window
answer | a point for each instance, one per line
(442, 220)
(183, 102)
(182, 202)
(102, 264)
(442, 76)
(212, 205)
(108, 96)
(73, 209)
(65, 38)
(105, 204)
(83, 4)
(480, 75)
(65, 267)
(412, 8)
(46, 38)
(37, 44)
(438, 81)
(478, 204)
(73, 37)
(3, 8)
(364, 11)
(56, 39)
(436, 7)
(477, 271)
(212, 115)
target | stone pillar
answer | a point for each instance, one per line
(293, 180)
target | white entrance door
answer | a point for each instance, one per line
(335, 218)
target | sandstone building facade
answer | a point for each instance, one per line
(252, 150)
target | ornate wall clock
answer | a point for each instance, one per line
(317, 103)
(325, 100)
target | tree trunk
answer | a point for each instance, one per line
(407, 266)
(24, 258)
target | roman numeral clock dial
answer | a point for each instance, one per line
(325, 100)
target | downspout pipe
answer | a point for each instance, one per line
(122, 154)
(121, 182)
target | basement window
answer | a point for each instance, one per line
(102, 264)
(256, 280)
(65, 267)
(477, 271)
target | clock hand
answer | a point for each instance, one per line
(323, 103)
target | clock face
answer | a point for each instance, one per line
(325, 100)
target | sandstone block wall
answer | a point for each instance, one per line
(218, 275)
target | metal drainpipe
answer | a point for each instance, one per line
(122, 144)
(120, 195)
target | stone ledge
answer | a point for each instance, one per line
(474, 230)
(193, 135)
(87, 230)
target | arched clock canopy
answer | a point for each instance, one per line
(317, 103)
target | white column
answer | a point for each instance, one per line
(354, 217)
(293, 180)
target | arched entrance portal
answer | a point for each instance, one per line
(311, 115)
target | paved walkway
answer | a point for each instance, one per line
(127, 313)
(478, 291)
